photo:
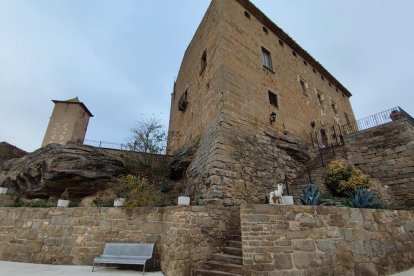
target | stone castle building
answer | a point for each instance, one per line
(252, 100)
(240, 62)
(68, 123)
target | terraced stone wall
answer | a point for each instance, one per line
(184, 236)
(386, 153)
(302, 240)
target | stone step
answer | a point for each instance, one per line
(225, 258)
(232, 251)
(237, 244)
(206, 272)
(220, 266)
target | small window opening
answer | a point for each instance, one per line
(265, 30)
(267, 59)
(294, 53)
(314, 71)
(322, 78)
(304, 62)
(281, 43)
(330, 84)
(320, 99)
(334, 108)
(336, 89)
(303, 86)
(247, 14)
(348, 121)
(183, 102)
(203, 61)
(273, 99)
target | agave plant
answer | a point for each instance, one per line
(363, 198)
(310, 195)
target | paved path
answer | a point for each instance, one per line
(17, 269)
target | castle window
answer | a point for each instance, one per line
(265, 30)
(314, 71)
(203, 61)
(267, 59)
(320, 98)
(336, 89)
(294, 53)
(348, 121)
(303, 86)
(304, 62)
(247, 14)
(273, 99)
(281, 43)
(183, 102)
(330, 84)
(334, 108)
(322, 78)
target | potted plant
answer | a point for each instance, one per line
(3, 190)
(64, 199)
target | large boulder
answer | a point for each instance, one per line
(48, 171)
(8, 152)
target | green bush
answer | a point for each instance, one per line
(137, 191)
(345, 180)
(100, 203)
(36, 203)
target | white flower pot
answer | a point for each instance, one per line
(288, 200)
(63, 203)
(119, 202)
(183, 200)
(3, 191)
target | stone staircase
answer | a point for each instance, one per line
(227, 263)
(317, 169)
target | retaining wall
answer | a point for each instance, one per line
(184, 236)
(386, 153)
(302, 240)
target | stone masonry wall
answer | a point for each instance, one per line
(386, 153)
(309, 240)
(239, 160)
(184, 236)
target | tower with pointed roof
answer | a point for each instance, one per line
(68, 123)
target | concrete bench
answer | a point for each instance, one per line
(126, 253)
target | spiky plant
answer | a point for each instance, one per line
(364, 198)
(310, 195)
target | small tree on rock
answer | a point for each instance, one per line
(148, 139)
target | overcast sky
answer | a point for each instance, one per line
(120, 57)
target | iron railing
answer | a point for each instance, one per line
(105, 144)
(378, 119)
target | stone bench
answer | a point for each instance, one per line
(126, 253)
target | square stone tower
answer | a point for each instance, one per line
(68, 123)
(245, 93)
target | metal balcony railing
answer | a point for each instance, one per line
(378, 119)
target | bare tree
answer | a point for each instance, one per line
(148, 136)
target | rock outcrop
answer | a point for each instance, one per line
(48, 171)
(8, 152)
